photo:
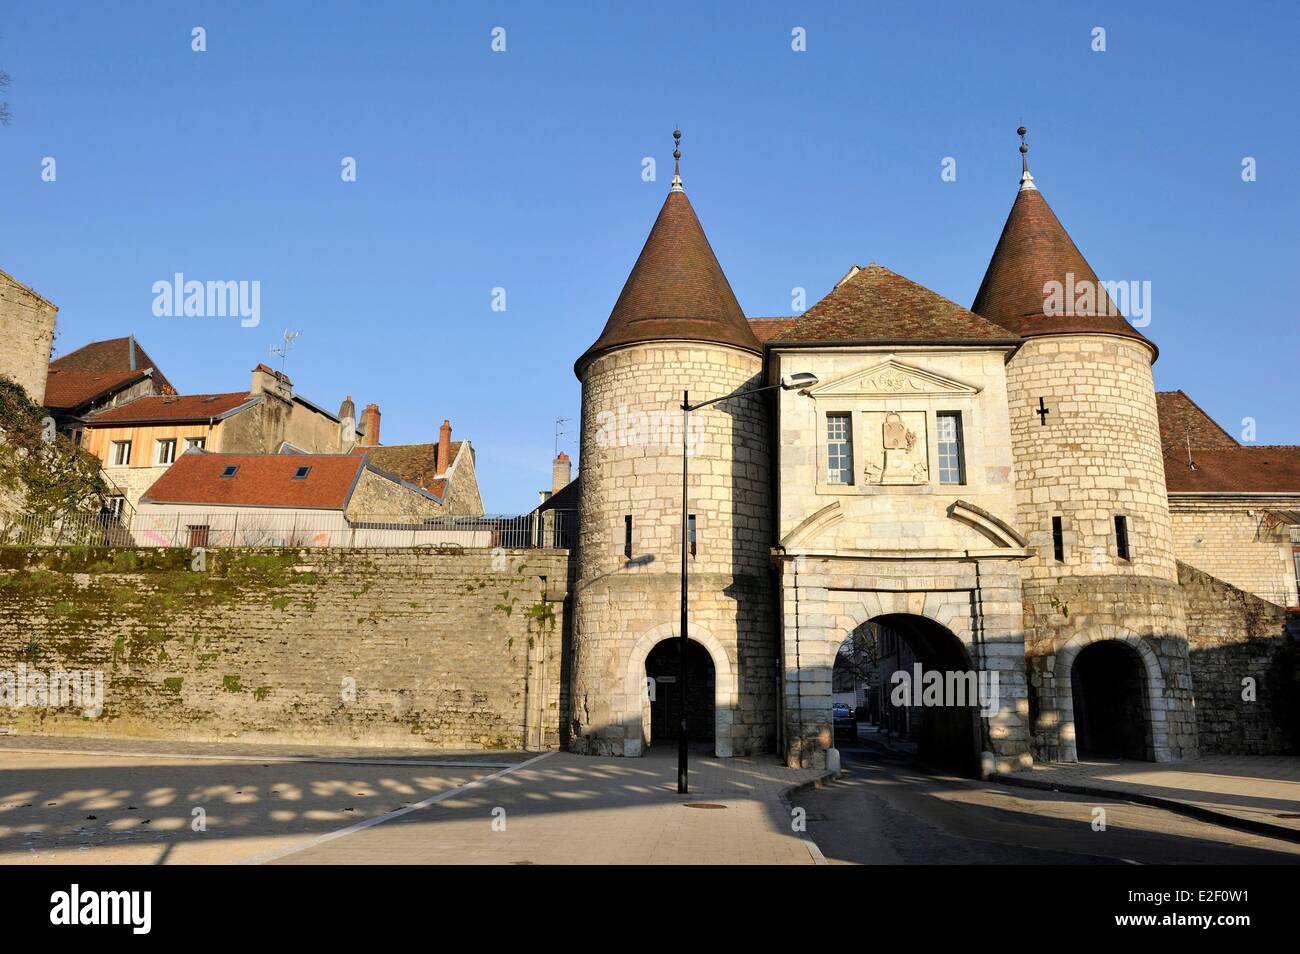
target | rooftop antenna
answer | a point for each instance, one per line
(1188, 437)
(283, 349)
(560, 431)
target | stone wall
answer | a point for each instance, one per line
(1233, 540)
(626, 604)
(385, 647)
(1235, 636)
(27, 330)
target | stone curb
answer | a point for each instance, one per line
(1222, 819)
(787, 795)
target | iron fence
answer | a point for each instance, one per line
(547, 529)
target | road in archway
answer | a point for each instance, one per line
(887, 809)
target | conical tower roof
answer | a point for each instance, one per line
(677, 290)
(1033, 251)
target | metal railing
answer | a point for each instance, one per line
(547, 529)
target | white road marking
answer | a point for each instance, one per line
(278, 853)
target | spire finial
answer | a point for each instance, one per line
(1026, 180)
(677, 162)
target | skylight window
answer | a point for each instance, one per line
(230, 471)
(301, 473)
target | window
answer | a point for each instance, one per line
(166, 451)
(627, 536)
(1121, 537)
(952, 464)
(230, 471)
(115, 505)
(1058, 540)
(198, 534)
(121, 453)
(301, 473)
(690, 532)
(839, 449)
(195, 443)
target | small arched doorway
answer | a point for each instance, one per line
(662, 665)
(1109, 688)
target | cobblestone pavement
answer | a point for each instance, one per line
(83, 801)
(1258, 788)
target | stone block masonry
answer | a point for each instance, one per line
(27, 330)
(1234, 636)
(455, 649)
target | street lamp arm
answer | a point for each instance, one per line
(788, 382)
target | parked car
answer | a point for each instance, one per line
(846, 726)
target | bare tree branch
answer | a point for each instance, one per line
(5, 115)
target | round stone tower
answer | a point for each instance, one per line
(676, 327)
(1091, 496)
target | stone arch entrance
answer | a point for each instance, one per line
(1110, 692)
(663, 669)
(946, 733)
(725, 691)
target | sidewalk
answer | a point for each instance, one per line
(77, 800)
(1255, 793)
(570, 809)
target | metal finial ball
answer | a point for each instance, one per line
(1024, 150)
(1021, 131)
(677, 153)
(677, 134)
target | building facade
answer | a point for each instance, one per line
(990, 487)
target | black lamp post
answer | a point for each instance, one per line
(789, 382)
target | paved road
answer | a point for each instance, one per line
(888, 809)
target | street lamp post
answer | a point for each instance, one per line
(788, 382)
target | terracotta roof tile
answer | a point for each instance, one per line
(414, 463)
(262, 480)
(114, 354)
(876, 304)
(1182, 421)
(765, 329)
(170, 407)
(676, 290)
(1035, 249)
(67, 390)
(1250, 469)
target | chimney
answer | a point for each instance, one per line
(269, 381)
(561, 472)
(347, 410)
(370, 426)
(444, 447)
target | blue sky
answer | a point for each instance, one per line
(522, 170)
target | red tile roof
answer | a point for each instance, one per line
(1182, 421)
(170, 408)
(1242, 470)
(765, 329)
(676, 291)
(415, 463)
(68, 390)
(1035, 249)
(263, 480)
(114, 354)
(876, 304)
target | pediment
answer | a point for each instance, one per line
(892, 378)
